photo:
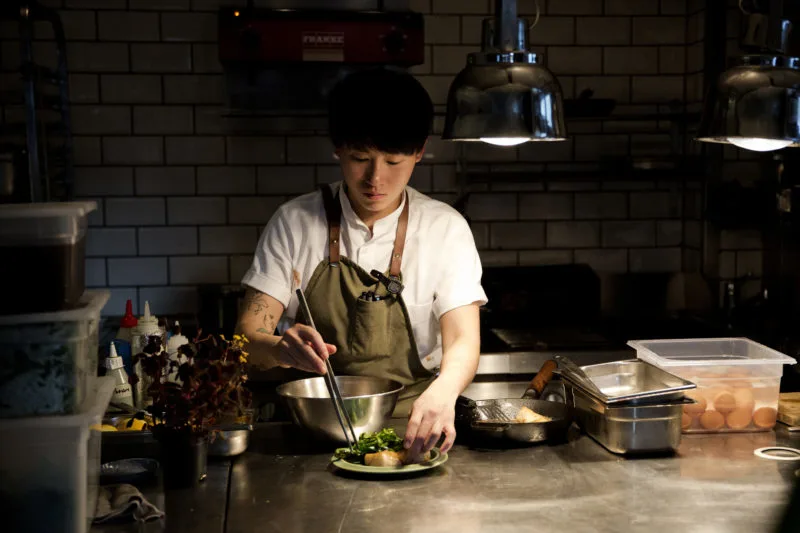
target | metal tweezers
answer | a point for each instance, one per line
(330, 381)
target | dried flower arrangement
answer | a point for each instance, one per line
(208, 388)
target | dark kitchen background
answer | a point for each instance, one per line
(670, 227)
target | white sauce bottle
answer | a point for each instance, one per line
(123, 393)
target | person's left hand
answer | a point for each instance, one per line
(432, 415)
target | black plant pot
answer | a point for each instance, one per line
(183, 457)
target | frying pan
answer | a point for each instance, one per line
(468, 413)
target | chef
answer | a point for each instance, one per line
(392, 277)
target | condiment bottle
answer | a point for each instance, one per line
(127, 323)
(146, 327)
(124, 336)
(122, 389)
(176, 340)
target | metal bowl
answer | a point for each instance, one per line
(369, 402)
(229, 443)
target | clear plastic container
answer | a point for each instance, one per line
(738, 381)
(50, 468)
(49, 360)
(46, 245)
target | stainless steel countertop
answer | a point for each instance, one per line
(714, 484)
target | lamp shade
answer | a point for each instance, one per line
(755, 104)
(504, 99)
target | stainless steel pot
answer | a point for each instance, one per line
(369, 402)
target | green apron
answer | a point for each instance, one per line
(372, 338)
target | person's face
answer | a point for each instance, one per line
(375, 180)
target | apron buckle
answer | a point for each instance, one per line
(392, 283)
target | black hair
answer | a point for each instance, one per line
(383, 109)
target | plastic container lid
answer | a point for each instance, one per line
(708, 352)
(43, 223)
(91, 303)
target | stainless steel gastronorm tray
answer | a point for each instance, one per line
(625, 429)
(633, 382)
(630, 429)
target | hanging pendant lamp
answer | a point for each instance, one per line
(756, 103)
(504, 96)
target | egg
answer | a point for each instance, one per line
(695, 409)
(712, 420)
(765, 417)
(724, 402)
(739, 418)
(686, 421)
(744, 399)
(713, 392)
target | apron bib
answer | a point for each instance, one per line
(373, 338)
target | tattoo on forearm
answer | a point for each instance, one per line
(256, 303)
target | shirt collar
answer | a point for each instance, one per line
(384, 225)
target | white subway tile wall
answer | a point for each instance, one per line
(184, 189)
(163, 181)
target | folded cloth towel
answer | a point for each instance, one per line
(123, 502)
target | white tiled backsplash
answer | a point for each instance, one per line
(184, 191)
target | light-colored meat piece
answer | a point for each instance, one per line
(389, 458)
(526, 415)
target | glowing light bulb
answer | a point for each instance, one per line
(758, 145)
(504, 141)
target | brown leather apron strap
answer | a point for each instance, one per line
(333, 210)
(399, 241)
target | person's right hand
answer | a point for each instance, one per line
(302, 347)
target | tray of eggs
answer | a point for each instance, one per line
(731, 404)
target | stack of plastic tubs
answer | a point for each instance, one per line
(51, 401)
(43, 248)
(50, 467)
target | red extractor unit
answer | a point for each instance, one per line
(287, 60)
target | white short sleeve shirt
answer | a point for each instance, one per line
(441, 268)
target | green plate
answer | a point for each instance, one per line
(437, 459)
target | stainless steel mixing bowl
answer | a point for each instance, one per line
(369, 402)
(229, 442)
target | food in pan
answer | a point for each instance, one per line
(526, 415)
(383, 448)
